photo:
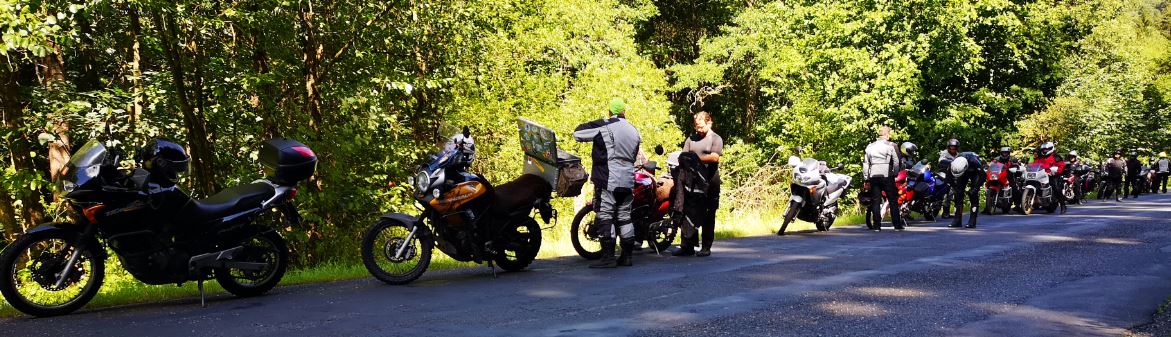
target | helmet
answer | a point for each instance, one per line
(1006, 151)
(909, 149)
(1072, 153)
(1118, 150)
(959, 166)
(1162, 154)
(1046, 149)
(953, 142)
(164, 160)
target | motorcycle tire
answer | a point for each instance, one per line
(1027, 202)
(372, 251)
(790, 214)
(581, 232)
(279, 250)
(17, 250)
(522, 242)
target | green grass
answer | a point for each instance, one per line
(122, 289)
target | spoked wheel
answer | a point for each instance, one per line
(33, 269)
(662, 234)
(268, 249)
(390, 257)
(518, 245)
(584, 235)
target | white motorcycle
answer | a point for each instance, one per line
(815, 193)
(1037, 191)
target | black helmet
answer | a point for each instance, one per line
(953, 142)
(1118, 150)
(909, 149)
(164, 160)
(1046, 149)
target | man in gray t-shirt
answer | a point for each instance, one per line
(709, 146)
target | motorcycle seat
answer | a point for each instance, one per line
(520, 194)
(227, 202)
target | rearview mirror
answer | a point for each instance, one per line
(794, 161)
(659, 149)
(839, 167)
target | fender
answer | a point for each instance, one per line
(71, 228)
(409, 221)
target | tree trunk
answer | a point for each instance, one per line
(135, 66)
(262, 98)
(52, 75)
(12, 108)
(202, 155)
(311, 54)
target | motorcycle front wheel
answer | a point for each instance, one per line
(269, 249)
(520, 242)
(1027, 202)
(32, 266)
(380, 251)
(790, 214)
(584, 236)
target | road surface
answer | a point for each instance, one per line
(1097, 271)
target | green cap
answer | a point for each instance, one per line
(617, 106)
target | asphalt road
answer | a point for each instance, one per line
(1096, 271)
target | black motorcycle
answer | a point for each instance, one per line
(160, 234)
(463, 214)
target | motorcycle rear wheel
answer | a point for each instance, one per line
(29, 285)
(520, 244)
(268, 248)
(380, 244)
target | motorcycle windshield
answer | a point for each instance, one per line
(442, 159)
(1035, 168)
(920, 169)
(85, 164)
(995, 168)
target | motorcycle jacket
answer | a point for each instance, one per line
(1115, 167)
(881, 160)
(1052, 160)
(616, 144)
(1134, 167)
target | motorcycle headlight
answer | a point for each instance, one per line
(68, 186)
(422, 181)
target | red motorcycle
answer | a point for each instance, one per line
(999, 188)
(650, 212)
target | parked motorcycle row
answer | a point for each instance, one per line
(163, 236)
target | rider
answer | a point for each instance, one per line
(1163, 169)
(1009, 162)
(1072, 161)
(909, 152)
(1115, 169)
(709, 146)
(1047, 156)
(1134, 170)
(879, 167)
(945, 158)
(967, 176)
(616, 144)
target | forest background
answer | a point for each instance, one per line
(371, 86)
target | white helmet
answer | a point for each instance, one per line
(959, 166)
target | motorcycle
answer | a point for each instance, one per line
(464, 215)
(999, 187)
(650, 212)
(922, 191)
(1085, 179)
(815, 193)
(1036, 190)
(160, 234)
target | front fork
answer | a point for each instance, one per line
(78, 245)
(398, 254)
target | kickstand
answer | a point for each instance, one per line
(493, 268)
(202, 295)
